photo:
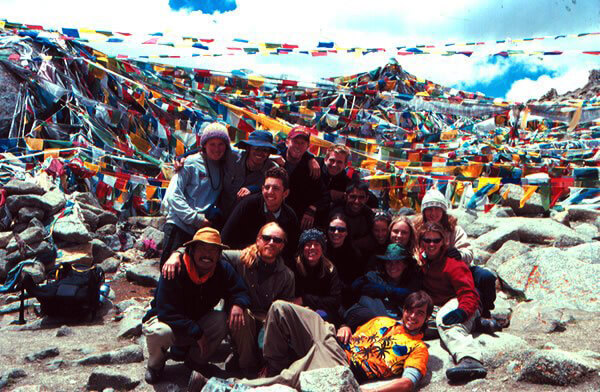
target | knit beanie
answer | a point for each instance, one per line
(215, 130)
(312, 235)
(434, 198)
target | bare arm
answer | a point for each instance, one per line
(398, 385)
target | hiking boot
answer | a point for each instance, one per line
(466, 370)
(178, 353)
(197, 382)
(487, 325)
(152, 375)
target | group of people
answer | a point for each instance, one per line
(310, 273)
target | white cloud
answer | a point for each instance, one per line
(523, 89)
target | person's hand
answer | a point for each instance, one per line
(454, 253)
(457, 316)
(278, 159)
(178, 164)
(172, 266)
(298, 301)
(314, 168)
(243, 192)
(236, 318)
(202, 345)
(307, 221)
(344, 334)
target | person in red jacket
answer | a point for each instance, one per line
(450, 284)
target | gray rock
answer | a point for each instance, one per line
(582, 214)
(544, 231)
(110, 265)
(131, 324)
(112, 241)
(274, 388)
(71, 229)
(501, 348)
(144, 274)
(587, 230)
(555, 367)
(56, 364)
(502, 212)
(463, 216)
(43, 354)
(156, 222)
(549, 274)
(42, 251)
(561, 217)
(337, 379)
(86, 198)
(16, 202)
(129, 354)
(64, 331)
(37, 271)
(150, 234)
(35, 222)
(90, 219)
(565, 241)
(124, 305)
(106, 230)
(56, 199)
(14, 307)
(32, 235)
(493, 240)
(3, 269)
(11, 375)
(532, 207)
(26, 214)
(5, 238)
(480, 256)
(477, 229)
(102, 378)
(537, 317)
(107, 218)
(19, 187)
(507, 251)
(100, 251)
(589, 253)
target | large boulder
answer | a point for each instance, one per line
(15, 202)
(556, 367)
(589, 253)
(582, 214)
(100, 251)
(144, 274)
(86, 198)
(337, 379)
(26, 214)
(149, 236)
(147, 221)
(5, 237)
(20, 187)
(493, 240)
(71, 229)
(507, 251)
(463, 216)
(538, 317)
(56, 199)
(532, 207)
(551, 275)
(42, 251)
(103, 378)
(31, 235)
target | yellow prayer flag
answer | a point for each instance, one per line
(529, 191)
(179, 147)
(505, 194)
(483, 181)
(35, 144)
(150, 191)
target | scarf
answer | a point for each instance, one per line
(189, 265)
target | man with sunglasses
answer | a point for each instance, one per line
(251, 213)
(450, 284)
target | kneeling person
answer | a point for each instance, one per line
(182, 316)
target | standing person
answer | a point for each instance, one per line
(268, 279)
(317, 283)
(382, 292)
(307, 194)
(450, 285)
(434, 209)
(254, 211)
(379, 349)
(247, 172)
(359, 215)
(192, 195)
(182, 314)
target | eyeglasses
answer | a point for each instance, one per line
(269, 238)
(337, 229)
(431, 240)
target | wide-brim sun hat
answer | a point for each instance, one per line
(207, 235)
(394, 252)
(258, 139)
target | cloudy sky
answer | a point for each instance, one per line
(350, 23)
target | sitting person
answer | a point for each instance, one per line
(434, 209)
(379, 349)
(382, 292)
(182, 316)
(318, 286)
(402, 232)
(376, 242)
(265, 274)
(450, 284)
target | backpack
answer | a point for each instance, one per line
(71, 290)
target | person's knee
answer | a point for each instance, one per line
(280, 307)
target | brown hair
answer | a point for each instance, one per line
(417, 299)
(435, 228)
(448, 222)
(338, 149)
(249, 254)
(411, 245)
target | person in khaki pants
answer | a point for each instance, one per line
(182, 317)
(297, 339)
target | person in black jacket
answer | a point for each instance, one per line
(182, 317)
(359, 215)
(317, 283)
(254, 211)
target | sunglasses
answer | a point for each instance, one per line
(337, 229)
(269, 238)
(431, 240)
(262, 150)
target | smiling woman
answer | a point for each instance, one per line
(206, 6)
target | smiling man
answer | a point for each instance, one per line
(252, 212)
(182, 317)
(297, 339)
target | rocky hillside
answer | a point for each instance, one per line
(590, 90)
(548, 295)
